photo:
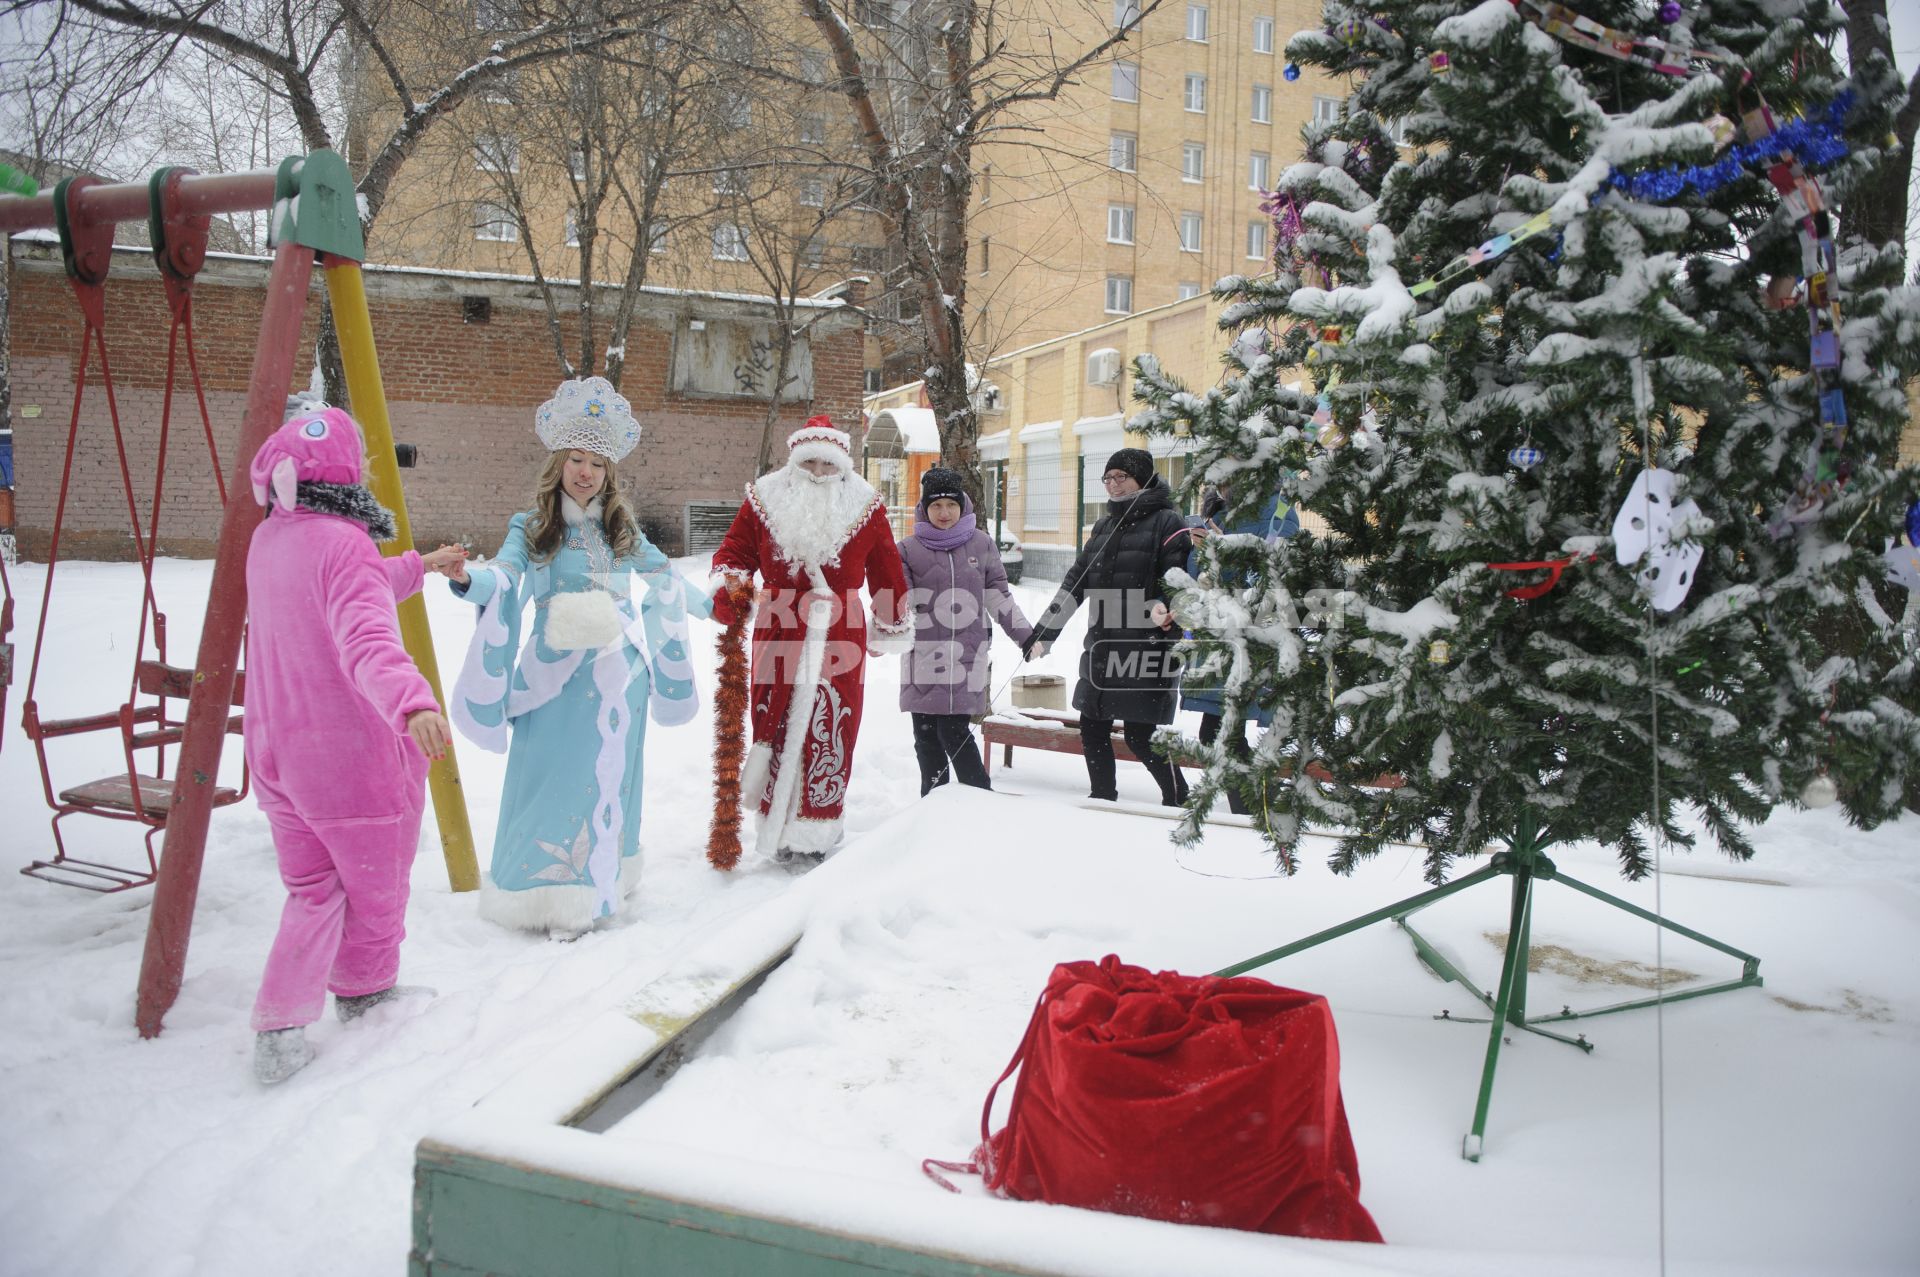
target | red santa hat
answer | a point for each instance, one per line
(818, 440)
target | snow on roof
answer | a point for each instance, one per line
(919, 431)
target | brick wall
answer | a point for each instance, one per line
(463, 393)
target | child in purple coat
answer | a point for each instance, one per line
(957, 582)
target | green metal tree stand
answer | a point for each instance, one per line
(1526, 865)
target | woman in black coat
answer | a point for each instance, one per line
(1126, 668)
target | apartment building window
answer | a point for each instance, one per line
(813, 129)
(813, 66)
(1196, 93)
(1126, 81)
(729, 243)
(573, 228)
(1119, 223)
(1396, 129)
(1328, 110)
(1263, 35)
(1124, 12)
(494, 222)
(986, 254)
(493, 153)
(1263, 104)
(1190, 232)
(1257, 240)
(577, 163)
(874, 385)
(1197, 23)
(813, 192)
(1189, 289)
(1123, 152)
(657, 235)
(730, 181)
(493, 15)
(736, 110)
(986, 183)
(1119, 294)
(1258, 165)
(1193, 161)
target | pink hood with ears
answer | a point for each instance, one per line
(322, 446)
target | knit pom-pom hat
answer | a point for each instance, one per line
(818, 440)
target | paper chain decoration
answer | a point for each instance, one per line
(1583, 32)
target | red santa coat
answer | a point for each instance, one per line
(813, 545)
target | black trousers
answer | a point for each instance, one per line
(1096, 742)
(1236, 745)
(943, 744)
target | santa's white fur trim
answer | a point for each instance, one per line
(813, 835)
(753, 776)
(811, 522)
(821, 430)
(785, 803)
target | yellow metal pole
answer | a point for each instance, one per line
(347, 291)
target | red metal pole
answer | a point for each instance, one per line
(198, 766)
(130, 201)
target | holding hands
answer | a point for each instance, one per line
(449, 561)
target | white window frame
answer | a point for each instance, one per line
(1192, 232)
(729, 181)
(1126, 82)
(813, 65)
(489, 149)
(1194, 96)
(1263, 104)
(1328, 110)
(1193, 161)
(577, 163)
(813, 192)
(1197, 23)
(813, 129)
(729, 247)
(1186, 289)
(1119, 298)
(1120, 223)
(1259, 170)
(1125, 11)
(488, 215)
(1263, 35)
(657, 235)
(1127, 145)
(573, 228)
(1257, 240)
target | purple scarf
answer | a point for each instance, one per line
(954, 537)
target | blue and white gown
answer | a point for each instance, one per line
(566, 850)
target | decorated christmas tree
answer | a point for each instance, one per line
(1594, 437)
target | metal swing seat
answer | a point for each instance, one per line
(147, 723)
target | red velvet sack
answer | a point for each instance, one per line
(1194, 1099)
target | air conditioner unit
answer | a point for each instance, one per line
(1103, 367)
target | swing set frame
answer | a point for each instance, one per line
(315, 220)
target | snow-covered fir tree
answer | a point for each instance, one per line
(1657, 317)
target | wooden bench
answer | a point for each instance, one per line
(1058, 731)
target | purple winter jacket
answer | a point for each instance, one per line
(954, 591)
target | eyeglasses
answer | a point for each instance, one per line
(1111, 479)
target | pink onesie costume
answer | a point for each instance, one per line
(329, 691)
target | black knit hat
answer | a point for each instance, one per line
(941, 482)
(1137, 462)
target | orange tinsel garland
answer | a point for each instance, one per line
(730, 728)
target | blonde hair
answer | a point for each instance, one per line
(547, 528)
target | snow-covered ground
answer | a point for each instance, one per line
(1763, 1130)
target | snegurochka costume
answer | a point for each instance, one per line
(573, 691)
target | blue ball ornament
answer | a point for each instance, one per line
(1913, 524)
(1526, 458)
(1670, 11)
(1292, 72)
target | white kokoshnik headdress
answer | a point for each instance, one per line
(589, 414)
